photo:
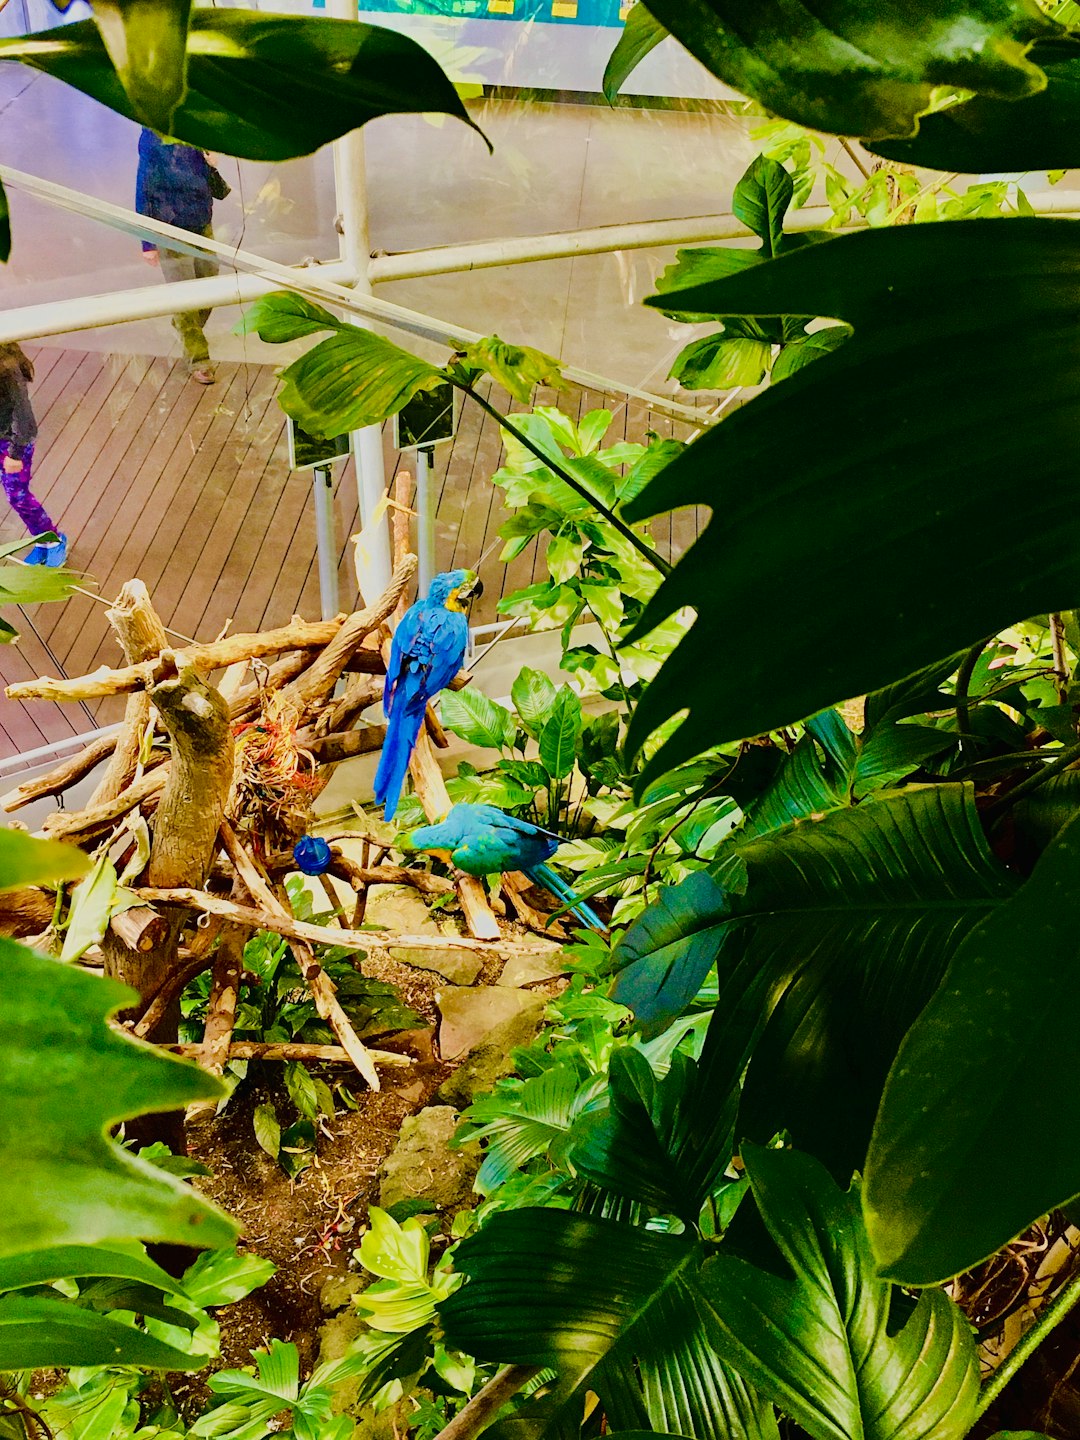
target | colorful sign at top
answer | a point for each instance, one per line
(560, 12)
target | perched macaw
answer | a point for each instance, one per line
(482, 840)
(426, 653)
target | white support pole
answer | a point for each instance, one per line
(350, 184)
(322, 480)
(425, 524)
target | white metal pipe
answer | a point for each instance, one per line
(308, 282)
(86, 312)
(606, 239)
(425, 523)
(322, 486)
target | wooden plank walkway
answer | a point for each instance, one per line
(187, 487)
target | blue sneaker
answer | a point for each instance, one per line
(53, 554)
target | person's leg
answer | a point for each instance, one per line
(204, 268)
(22, 499)
(188, 325)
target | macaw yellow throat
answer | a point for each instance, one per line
(455, 602)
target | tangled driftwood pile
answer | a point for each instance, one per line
(222, 751)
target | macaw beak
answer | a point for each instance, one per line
(471, 588)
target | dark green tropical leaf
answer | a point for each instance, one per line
(613, 1309)
(60, 1262)
(350, 380)
(66, 1077)
(851, 534)
(860, 71)
(761, 201)
(840, 932)
(559, 736)
(722, 362)
(914, 695)
(665, 1143)
(894, 751)
(798, 353)
(340, 74)
(533, 694)
(147, 44)
(517, 368)
(665, 955)
(963, 1157)
(641, 34)
(659, 454)
(534, 1119)
(25, 860)
(470, 714)
(38, 1332)
(819, 1345)
(1038, 132)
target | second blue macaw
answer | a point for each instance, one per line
(482, 840)
(426, 653)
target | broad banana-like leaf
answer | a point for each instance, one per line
(264, 87)
(66, 1078)
(25, 860)
(613, 1308)
(819, 1344)
(1040, 132)
(867, 70)
(39, 1331)
(968, 1150)
(808, 571)
(641, 34)
(839, 930)
(146, 42)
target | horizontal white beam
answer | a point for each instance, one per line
(151, 302)
(308, 281)
(639, 235)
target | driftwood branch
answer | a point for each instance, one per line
(257, 918)
(323, 990)
(219, 654)
(328, 749)
(25, 912)
(481, 1410)
(142, 636)
(197, 784)
(140, 928)
(360, 875)
(61, 777)
(82, 824)
(174, 984)
(264, 1050)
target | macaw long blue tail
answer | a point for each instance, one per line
(544, 875)
(402, 730)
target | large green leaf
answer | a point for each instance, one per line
(922, 372)
(351, 380)
(470, 714)
(146, 42)
(517, 368)
(969, 1146)
(641, 34)
(559, 736)
(840, 931)
(25, 860)
(37, 1332)
(664, 957)
(66, 1077)
(59, 1262)
(612, 1308)
(264, 87)
(821, 1344)
(852, 69)
(986, 134)
(533, 694)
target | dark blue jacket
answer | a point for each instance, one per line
(173, 185)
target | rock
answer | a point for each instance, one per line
(338, 1290)
(399, 908)
(490, 1060)
(422, 1163)
(532, 969)
(336, 1339)
(469, 1016)
(460, 967)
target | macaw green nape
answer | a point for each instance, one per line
(482, 840)
(426, 652)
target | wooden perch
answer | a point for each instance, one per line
(140, 928)
(265, 1050)
(83, 824)
(323, 990)
(25, 912)
(321, 676)
(329, 749)
(258, 918)
(361, 875)
(360, 692)
(297, 635)
(62, 776)
(197, 783)
(142, 637)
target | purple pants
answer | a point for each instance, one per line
(17, 489)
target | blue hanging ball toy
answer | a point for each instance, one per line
(312, 855)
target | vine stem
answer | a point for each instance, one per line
(646, 551)
(1065, 758)
(1061, 664)
(963, 681)
(482, 1408)
(1049, 1318)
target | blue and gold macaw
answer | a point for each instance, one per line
(426, 653)
(482, 840)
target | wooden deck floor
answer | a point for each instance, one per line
(187, 487)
